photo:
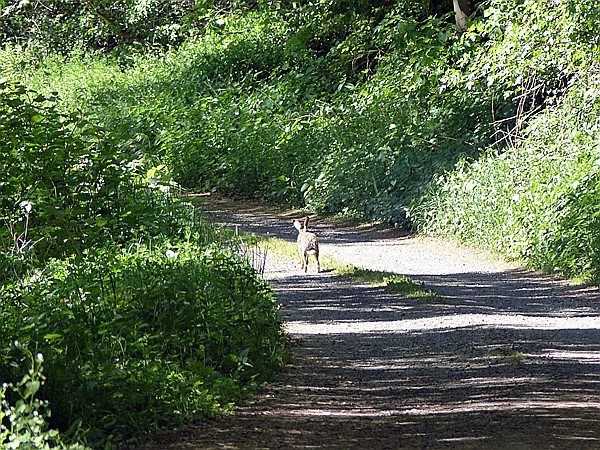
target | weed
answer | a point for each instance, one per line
(394, 283)
(24, 422)
(507, 355)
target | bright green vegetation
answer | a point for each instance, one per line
(133, 338)
(507, 355)
(535, 195)
(394, 283)
(377, 109)
(144, 315)
(374, 109)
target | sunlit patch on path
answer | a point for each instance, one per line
(445, 323)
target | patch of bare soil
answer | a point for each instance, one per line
(509, 359)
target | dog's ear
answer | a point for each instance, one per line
(306, 223)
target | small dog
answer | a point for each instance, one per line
(307, 243)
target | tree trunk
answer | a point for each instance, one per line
(462, 10)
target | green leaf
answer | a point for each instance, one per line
(53, 336)
(31, 388)
(101, 221)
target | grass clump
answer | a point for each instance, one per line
(507, 355)
(399, 284)
(412, 289)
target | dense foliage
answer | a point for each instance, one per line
(534, 195)
(24, 423)
(144, 314)
(141, 337)
(365, 110)
(62, 25)
(381, 109)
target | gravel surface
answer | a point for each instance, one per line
(507, 358)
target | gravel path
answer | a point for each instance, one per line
(507, 358)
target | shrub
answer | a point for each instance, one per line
(145, 337)
(146, 315)
(64, 188)
(531, 196)
(537, 201)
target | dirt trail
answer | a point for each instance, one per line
(508, 359)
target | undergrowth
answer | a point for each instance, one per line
(477, 136)
(166, 333)
(534, 196)
(145, 315)
(536, 202)
(24, 422)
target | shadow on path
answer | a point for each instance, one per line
(507, 359)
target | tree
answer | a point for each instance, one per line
(462, 10)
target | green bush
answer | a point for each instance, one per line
(532, 197)
(144, 337)
(536, 202)
(64, 187)
(146, 315)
